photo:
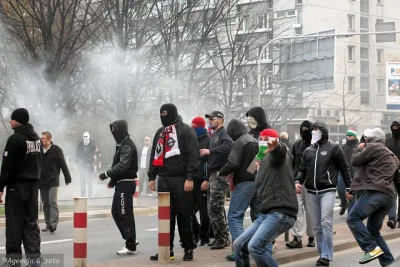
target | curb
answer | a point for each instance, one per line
(141, 212)
(285, 259)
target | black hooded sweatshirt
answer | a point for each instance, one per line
(183, 165)
(301, 145)
(22, 159)
(321, 164)
(204, 143)
(393, 143)
(243, 152)
(258, 113)
(124, 166)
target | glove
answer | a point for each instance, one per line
(102, 176)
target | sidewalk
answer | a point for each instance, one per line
(203, 256)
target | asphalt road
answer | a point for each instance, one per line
(350, 258)
(104, 239)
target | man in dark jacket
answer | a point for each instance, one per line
(20, 173)
(220, 146)
(378, 174)
(123, 176)
(275, 190)
(393, 143)
(175, 159)
(304, 219)
(200, 197)
(84, 163)
(53, 161)
(318, 171)
(348, 149)
(284, 138)
(257, 121)
(243, 152)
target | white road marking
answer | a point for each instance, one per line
(155, 229)
(51, 242)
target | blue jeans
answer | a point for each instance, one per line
(242, 197)
(373, 205)
(257, 239)
(321, 208)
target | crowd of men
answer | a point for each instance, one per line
(286, 185)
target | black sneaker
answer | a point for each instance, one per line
(51, 229)
(295, 243)
(188, 255)
(171, 256)
(342, 210)
(219, 245)
(322, 262)
(391, 224)
(311, 242)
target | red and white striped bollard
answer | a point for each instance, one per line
(164, 227)
(80, 232)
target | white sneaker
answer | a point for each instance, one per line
(125, 251)
(137, 242)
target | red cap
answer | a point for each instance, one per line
(270, 133)
(198, 122)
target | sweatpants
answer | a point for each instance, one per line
(181, 209)
(122, 212)
(21, 209)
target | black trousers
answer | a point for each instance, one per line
(122, 212)
(21, 210)
(200, 205)
(181, 209)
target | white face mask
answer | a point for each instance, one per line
(262, 143)
(86, 138)
(316, 136)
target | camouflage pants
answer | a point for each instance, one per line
(216, 208)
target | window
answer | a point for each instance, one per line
(364, 83)
(337, 114)
(280, 15)
(270, 4)
(264, 21)
(351, 81)
(299, 2)
(291, 13)
(327, 113)
(351, 22)
(266, 83)
(379, 20)
(350, 53)
(364, 97)
(364, 23)
(364, 53)
(379, 2)
(243, 54)
(298, 31)
(364, 6)
(364, 67)
(243, 23)
(379, 56)
(379, 86)
(241, 83)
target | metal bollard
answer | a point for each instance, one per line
(163, 227)
(80, 232)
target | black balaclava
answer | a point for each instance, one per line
(306, 135)
(119, 130)
(395, 133)
(171, 116)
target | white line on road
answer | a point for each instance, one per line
(155, 229)
(50, 242)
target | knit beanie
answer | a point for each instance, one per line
(21, 115)
(270, 133)
(198, 122)
(352, 132)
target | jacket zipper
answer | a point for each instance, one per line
(315, 170)
(329, 177)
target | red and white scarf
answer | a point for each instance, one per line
(167, 145)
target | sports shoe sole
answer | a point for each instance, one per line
(370, 259)
(129, 253)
